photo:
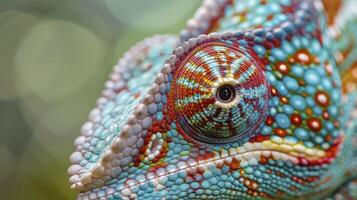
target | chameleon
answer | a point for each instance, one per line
(252, 100)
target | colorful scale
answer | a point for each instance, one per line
(252, 111)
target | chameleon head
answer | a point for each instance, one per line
(223, 119)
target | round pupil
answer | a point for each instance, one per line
(226, 93)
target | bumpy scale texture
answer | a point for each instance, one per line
(256, 99)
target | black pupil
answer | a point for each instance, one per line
(225, 93)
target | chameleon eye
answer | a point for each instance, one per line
(225, 93)
(219, 94)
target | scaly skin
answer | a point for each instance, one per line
(255, 100)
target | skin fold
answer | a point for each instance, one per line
(253, 100)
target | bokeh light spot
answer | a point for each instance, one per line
(56, 58)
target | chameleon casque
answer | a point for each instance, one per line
(256, 99)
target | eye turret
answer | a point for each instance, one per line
(219, 93)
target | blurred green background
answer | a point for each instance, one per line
(55, 56)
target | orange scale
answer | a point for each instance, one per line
(263, 160)
(325, 115)
(280, 132)
(322, 98)
(309, 112)
(303, 57)
(314, 124)
(296, 119)
(269, 120)
(284, 100)
(274, 91)
(234, 165)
